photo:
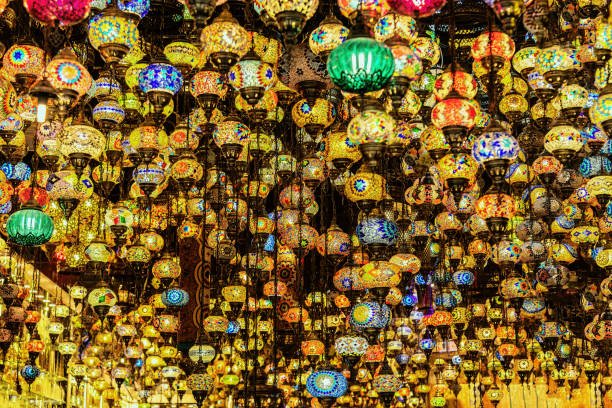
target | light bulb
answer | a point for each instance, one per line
(41, 110)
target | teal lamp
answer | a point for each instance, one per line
(360, 64)
(29, 226)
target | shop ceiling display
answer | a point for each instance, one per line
(402, 203)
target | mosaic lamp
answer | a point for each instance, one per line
(160, 81)
(113, 33)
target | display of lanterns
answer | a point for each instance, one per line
(410, 204)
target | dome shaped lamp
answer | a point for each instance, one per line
(207, 87)
(113, 33)
(360, 64)
(225, 41)
(327, 386)
(251, 77)
(29, 226)
(160, 81)
(495, 149)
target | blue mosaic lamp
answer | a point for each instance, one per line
(175, 297)
(326, 385)
(160, 81)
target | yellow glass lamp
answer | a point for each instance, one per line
(563, 141)
(365, 188)
(182, 55)
(224, 41)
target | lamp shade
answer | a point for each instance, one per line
(361, 65)
(113, 33)
(326, 384)
(160, 77)
(417, 8)
(29, 226)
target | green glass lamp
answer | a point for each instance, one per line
(360, 64)
(29, 226)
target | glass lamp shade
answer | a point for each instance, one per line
(225, 35)
(397, 27)
(546, 164)
(387, 384)
(160, 77)
(175, 297)
(275, 289)
(137, 8)
(361, 65)
(182, 138)
(513, 106)
(340, 148)
(83, 141)
(326, 384)
(428, 50)
(455, 112)
(380, 274)
(138, 254)
(186, 169)
(458, 81)
(200, 385)
(417, 8)
(66, 13)
(367, 315)
(496, 144)
(149, 176)
(231, 132)
(216, 324)
(166, 268)
(377, 230)
(277, 8)
(348, 278)
(553, 58)
(562, 138)
(102, 296)
(29, 226)
(182, 54)
(407, 62)
(365, 185)
(334, 242)
(524, 60)
(298, 66)
(208, 82)
(107, 87)
(66, 73)
(24, 62)
(66, 185)
(119, 215)
(113, 34)
(148, 137)
(313, 118)
(108, 112)
(132, 74)
(351, 345)
(301, 237)
(327, 36)
(601, 111)
(571, 97)
(495, 206)
(495, 44)
(251, 73)
(371, 126)
(202, 352)
(457, 166)
(234, 293)
(98, 251)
